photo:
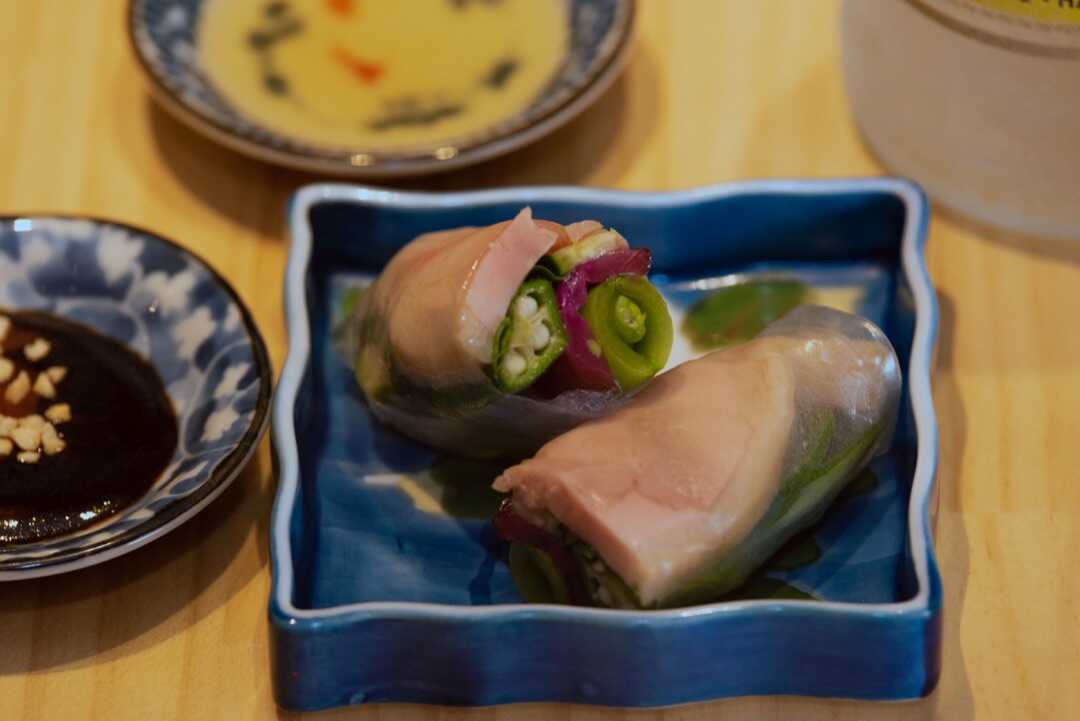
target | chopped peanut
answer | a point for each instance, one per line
(37, 350)
(44, 387)
(51, 440)
(31, 421)
(27, 438)
(18, 388)
(57, 413)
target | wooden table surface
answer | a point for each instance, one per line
(716, 90)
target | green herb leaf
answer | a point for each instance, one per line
(738, 313)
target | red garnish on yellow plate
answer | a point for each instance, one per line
(341, 7)
(366, 71)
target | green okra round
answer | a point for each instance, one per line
(529, 339)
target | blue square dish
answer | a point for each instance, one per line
(388, 583)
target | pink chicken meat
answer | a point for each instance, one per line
(467, 277)
(421, 340)
(681, 472)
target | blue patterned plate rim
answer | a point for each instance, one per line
(220, 477)
(285, 613)
(493, 141)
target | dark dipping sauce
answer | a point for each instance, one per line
(121, 435)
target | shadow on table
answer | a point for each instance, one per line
(953, 695)
(224, 180)
(775, 708)
(1054, 249)
(595, 149)
(138, 599)
(950, 536)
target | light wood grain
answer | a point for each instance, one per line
(717, 90)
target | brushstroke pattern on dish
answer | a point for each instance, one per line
(173, 310)
(165, 37)
(362, 552)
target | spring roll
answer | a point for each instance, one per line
(476, 341)
(681, 494)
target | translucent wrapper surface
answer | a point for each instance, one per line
(695, 482)
(847, 395)
(421, 338)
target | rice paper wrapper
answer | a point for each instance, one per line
(456, 407)
(847, 389)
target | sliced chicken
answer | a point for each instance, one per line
(686, 468)
(421, 339)
(683, 473)
(444, 294)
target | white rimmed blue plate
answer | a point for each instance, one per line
(388, 583)
(164, 35)
(171, 308)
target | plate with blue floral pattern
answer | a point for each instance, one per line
(176, 313)
(194, 78)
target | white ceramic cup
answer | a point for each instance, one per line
(977, 100)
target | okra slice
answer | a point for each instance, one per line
(530, 338)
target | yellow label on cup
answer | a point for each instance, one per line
(1061, 12)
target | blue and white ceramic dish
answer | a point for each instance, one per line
(165, 39)
(171, 308)
(388, 582)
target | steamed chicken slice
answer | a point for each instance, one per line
(683, 471)
(421, 338)
(443, 295)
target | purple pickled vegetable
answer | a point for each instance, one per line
(574, 289)
(579, 366)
